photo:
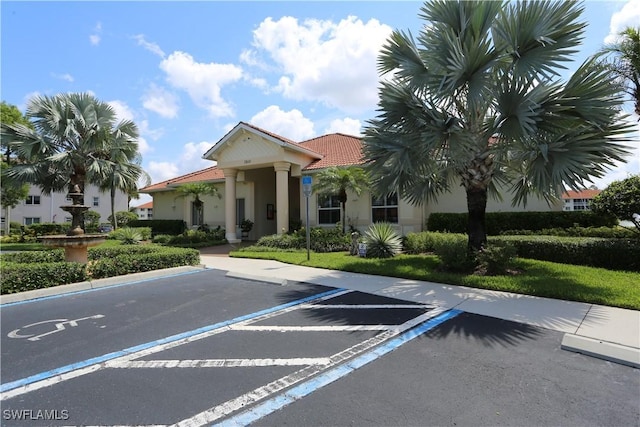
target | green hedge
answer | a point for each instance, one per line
(23, 271)
(320, 240)
(161, 226)
(18, 277)
(499, 222)
(612, 254)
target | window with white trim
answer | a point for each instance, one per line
(32, 200)
(384, 208)
(31, 220)
(96, 201)
(328, 209)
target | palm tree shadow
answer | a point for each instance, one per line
(486, 330)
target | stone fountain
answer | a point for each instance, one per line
(75, 242)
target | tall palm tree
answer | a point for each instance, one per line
(626, 62)
(337, 180)
(477, 100)
(195, 190)
(122, 170)
(65, 148)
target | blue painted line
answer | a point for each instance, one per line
(308, 387)
(109, 356)
(94, 289)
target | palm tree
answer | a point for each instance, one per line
(65, 149)
(337, 181)
(195, 190)
(122, 171)
(477, 101)
(626, 62)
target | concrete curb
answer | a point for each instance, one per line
(96, 284)
(256, 278)
(612, 352)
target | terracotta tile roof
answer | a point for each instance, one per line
(583, 194)
(148, 205)
(338, 150)
(206, 175)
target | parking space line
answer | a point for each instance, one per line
(332, 375)
(219, 363)
(225, 409)
(323, 328)
(74, 370)
(362, 306)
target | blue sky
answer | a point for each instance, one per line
(187, 72)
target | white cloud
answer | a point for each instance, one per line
(628, 16)
(143, 146)
(347, 126)
(161, 171)
(123, 112)
(334, 63)
(67, 77)
(95, 38)
(192, 155)
(151, 47)
(290, 124)
(160, 101)
(202, 81)
(154, 134)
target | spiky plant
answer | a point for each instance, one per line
(382, 241)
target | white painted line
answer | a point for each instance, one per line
(324, 328)
(219, 363)
(364, 306)
(52, 377)
(263, 392)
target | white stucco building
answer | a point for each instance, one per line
(258, 174)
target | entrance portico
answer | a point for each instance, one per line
(246, 154)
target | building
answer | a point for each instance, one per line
(38, 207)
(144, 211)
(259, 175)
(578, 200)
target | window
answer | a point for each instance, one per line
(32, 200)
(68, 219)
(240, 212)
(385, 208)
(96, 201)
(31, 220)
(328, 209)
(580, 204)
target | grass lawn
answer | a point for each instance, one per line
(539, 278)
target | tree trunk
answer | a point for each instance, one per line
(477, 206)
(343, 200)
(114, 223)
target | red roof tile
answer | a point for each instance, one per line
(338, 150)
(583, 194)
(148, 205)
(208, 174)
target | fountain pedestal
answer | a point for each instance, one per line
(75, 243)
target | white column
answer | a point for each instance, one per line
(282, 196)
(230, 204)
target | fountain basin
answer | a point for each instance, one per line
(75, 247)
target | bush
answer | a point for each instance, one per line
(198, 238)
(17, 277)
(604, 232)
(453, 251)
(127, 235)
(162, 239)
(161, 226)
(321, 240)
(35, 257)
(47, 228)
(382, 241)
(495, 258)
(498, 222)
(145, 260)
(612, 254)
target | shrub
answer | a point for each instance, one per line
(162, 239)
(495, 258)
(47, 228)
(157, 258)
(321, 240)
(18, 277)
(161, 226)
(35, 257)
(453, 251)
(123, 218)
(604, 232)
(127, 235)
(382, 241)
(613, 254)
(497, 222)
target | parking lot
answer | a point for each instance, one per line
(201, 349)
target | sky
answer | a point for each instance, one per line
(186, 72)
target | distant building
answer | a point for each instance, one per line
(579, 200)
(144, 211)
(38, 207)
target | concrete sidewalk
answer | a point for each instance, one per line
(605, 332)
